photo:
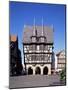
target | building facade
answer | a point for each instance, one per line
(61, 60)
(38, 49)
(15, 57)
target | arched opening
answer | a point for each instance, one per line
(38, 70)
(30, 71)
(45, 70)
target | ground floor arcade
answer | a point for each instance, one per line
(42, 69)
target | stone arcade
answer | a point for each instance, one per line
(38, 49)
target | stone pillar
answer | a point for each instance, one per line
(41, 70)
(33, 70)
(49, 69)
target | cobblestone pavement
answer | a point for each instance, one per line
(34, 81)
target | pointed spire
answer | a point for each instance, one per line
(34, 28)
(52, 27)
(24, 25)
(42, 26)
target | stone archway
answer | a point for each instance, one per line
(45, 70)
(37, 70)
(30, 71)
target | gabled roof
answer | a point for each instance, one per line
(13, 38)
(28, 32)
(61, 52)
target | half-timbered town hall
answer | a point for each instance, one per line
(38, 49)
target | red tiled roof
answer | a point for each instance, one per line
(13, 38)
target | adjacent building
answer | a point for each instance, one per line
(61, 60)
(15, 57)
(38, 49)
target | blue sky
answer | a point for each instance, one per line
(22, 13)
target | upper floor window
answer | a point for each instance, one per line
(37, 47)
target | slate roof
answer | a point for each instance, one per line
(28, 32)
